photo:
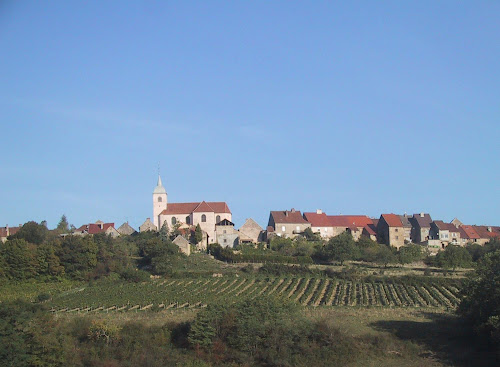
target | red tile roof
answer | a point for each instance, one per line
(94, 228)
(370, 229)
(468, 232)
(484, 231)
(349, 220)
(317, 220)
(287, 216)
(188, 208)
(392, 220)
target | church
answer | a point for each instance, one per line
(206, 213)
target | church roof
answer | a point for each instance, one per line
(188, 208)
(159, 189)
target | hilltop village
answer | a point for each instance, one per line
(214, 221)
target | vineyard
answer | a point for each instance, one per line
(168, 294)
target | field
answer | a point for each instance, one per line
(163, 294)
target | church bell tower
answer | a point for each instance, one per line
(159, 202)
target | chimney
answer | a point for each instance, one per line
(489, 229)
(421, 215)
(319, 211)
(7, 229)
(286, 213)
(293, 210)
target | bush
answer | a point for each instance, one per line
(135, 275)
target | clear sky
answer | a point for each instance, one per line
(354, 107)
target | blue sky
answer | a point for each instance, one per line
(356, 107)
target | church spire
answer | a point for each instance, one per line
(159, 189)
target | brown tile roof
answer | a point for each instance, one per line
(188, 208)
(445, 226)
(423, 221)
(405, 220)
(392, 220)
(288, 216)
(94, 228)
(12, 231)
(317, 220)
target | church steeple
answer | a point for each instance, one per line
(159, 202)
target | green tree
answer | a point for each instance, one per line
(63, 225)
(78, 255)
(32, 232)
(19, 259)
(48, 262)
(341, 248)
(410, 253)
(311, 236)
(164, 231)
(198, 234)
(453, 257)
(385, 255)
(481, 298)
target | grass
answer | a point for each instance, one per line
(29, 290)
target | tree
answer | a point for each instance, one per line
(19, 259)
(340, 248)
(164, 231)
(453, 257)
(385, 255)
(310, 235)
(481, 298)
(32, 232)
(410, 253)
(63, 225)
(198, 234)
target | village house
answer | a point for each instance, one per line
(468, 235)
(486, 233)
(227, 236)
(126, 230)
(287, 223)
(183, 244)
(251, 232)
(421, 226)
(390, 230)
(147, 226)
(407, 227)
(8, 231)
(446, 233)
(96, 228)
(328, 226)
(206, 214)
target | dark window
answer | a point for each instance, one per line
(188, 220)
(174, 220)
(159, 199)
(203, 218)
(217, 219)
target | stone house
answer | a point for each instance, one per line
(95, 228)
(407, 227)
(486, 233)
(8, 231)
(421, 226)
(147, 226)
(390, 230)
(354, 224)
(444, 232)
(183, 244)
(250, 231)
(320, 223)
(468, 235)
(226, 235)
(287, 223)
(370, 231)
(206, 214)
(126, 230)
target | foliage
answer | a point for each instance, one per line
(410, 253)
(481, 301)
(19, 259)
(198, 234)
(310, 235)
(339, 248)
(31, 232)
(63, 225)
(453, 257)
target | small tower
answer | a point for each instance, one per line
(159, 202)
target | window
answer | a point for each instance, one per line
(174, 220)
(159, 199)
(298, 228)
(326, 229)
(217, 219)
(225, 240)
(396, 230)
(397, 237)
(203, 218)
(188, 220)
(283, 228)
(224, 231)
